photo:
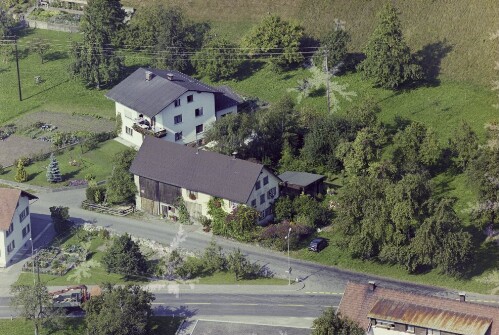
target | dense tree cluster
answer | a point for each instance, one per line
(120, 186)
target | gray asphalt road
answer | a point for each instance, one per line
(202, 305)
(317, 278)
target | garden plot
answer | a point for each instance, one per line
(58, 261)
(14, 147)
(33, 132)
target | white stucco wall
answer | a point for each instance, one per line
(255, 194)
(189, 119)
(16, 234)
(165, 119)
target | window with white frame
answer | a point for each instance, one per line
(11, 246)
(410, 329)
(190, 98)
(26, 230)
(198, 111)
(10, 230)
(24, 214)
(177, 102)
(433, 332)
(271, 193)
(129, 131)
(178, 136)
(253, 203)
(257, 185)
(199, 128)
(177, 119)
(262, 199)
(265, 180)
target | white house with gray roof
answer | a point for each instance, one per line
(169, 105)
(164, 171)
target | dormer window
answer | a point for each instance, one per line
(177, 102)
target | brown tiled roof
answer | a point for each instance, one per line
(8, 203)
(196, 170)
(359, 300)
(429, 317)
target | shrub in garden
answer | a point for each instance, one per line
(241, 266)
(60, 218)
(192, 267)
(21, 174)
(96, 194)
(275, 235)
(124, 257)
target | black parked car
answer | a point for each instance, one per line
(317, 244)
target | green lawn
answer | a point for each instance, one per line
(57, 92)
(441, 107)
(226, 278)
(95, 162)
(161, 325)
(483, 282)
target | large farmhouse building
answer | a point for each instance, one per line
(165, 171)
(169, 105)
(15, 223)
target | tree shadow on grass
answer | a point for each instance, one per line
(47, 89)
(56, 55)
(70, 175)
(430, 58)
(248, 68)
(181, 311)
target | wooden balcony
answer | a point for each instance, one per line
(146, 129)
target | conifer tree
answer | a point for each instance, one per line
(94, 59)
(21, 174)
(53, 172)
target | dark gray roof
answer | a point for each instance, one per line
(300, 178)
(151, 97)
(227, 99)
(202, 171)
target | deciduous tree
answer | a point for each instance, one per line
(464, 145)
(335, 45)
(389, 62)
(40, 47)
(119, 311)
(219, 59)
(280, 38)
(34, 303)
(331, 323)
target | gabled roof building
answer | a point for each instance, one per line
(169, 105)
(15, 223)
(165, 171)
(383, 311)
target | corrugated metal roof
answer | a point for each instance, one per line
(203, 171)
(359, 299)
(300, 178)
(428, 317)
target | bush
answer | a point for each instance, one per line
(124, 257)
(192, 267)
(275, 235)
(96, 194)
(60, 218)
(2, 169)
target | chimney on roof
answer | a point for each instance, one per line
(149, 75)
(462, 296)
(169, 76)
(372, 285)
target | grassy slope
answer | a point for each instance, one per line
(57, 92)
(465, 26)
(95, 162)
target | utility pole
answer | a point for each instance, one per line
(289, 264)
(18, 75)
(327, 82)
